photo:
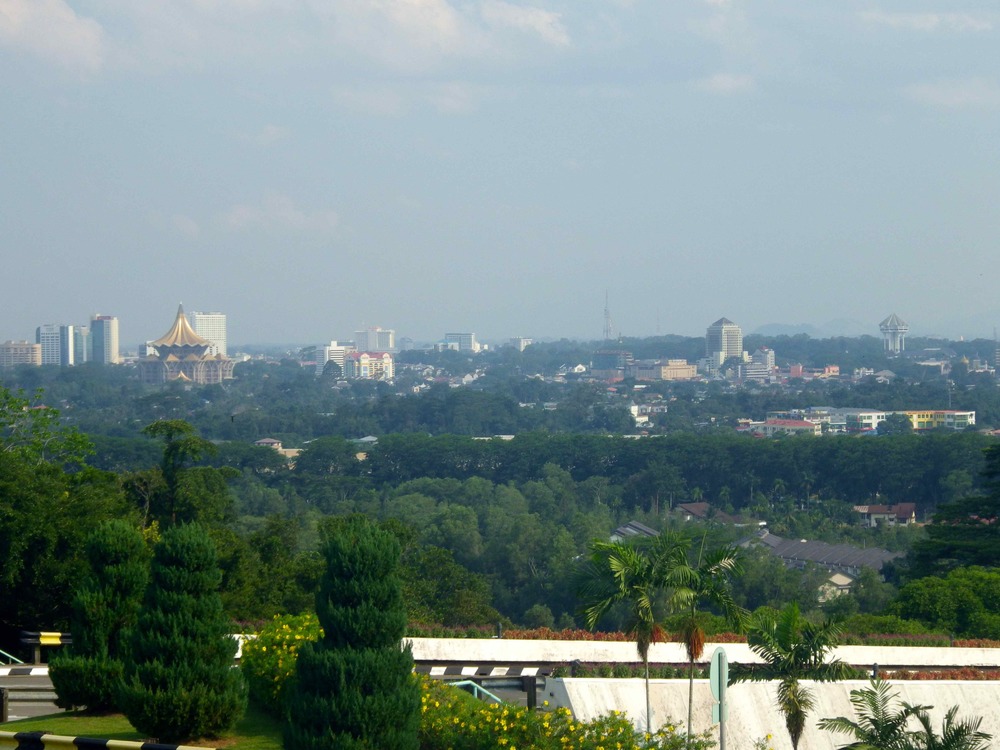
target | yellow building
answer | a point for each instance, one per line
(369, 366)
(934, 419)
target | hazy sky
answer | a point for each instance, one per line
(313, 166)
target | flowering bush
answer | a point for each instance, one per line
(627, 670)
(268, 661)
(454, 720)
(975, 643)
(959, 673)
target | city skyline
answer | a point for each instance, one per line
(499, 166)
(216, 323)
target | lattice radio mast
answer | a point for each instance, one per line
(608, 325)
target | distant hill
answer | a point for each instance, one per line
(838, 327)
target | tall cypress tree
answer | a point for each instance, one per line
(105, 607)
(179, 679)
(355, 688)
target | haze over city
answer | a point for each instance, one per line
(434, 165)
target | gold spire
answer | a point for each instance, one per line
(181, 333)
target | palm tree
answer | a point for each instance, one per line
(647, 579)
(878, 726)
(793, 649)
(709, 584)
(955, 735)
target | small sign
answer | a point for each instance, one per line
(718, 674)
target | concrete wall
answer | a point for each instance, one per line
(503, 650)
(752, 711)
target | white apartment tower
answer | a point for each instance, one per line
(333, 353)
(465, 342)
(211, 326)
(57, 344)
(724, 337)
(375, 340)
(104, 339)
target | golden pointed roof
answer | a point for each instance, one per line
(181, 333)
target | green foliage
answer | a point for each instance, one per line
(188, 493)
(179, 676)
(268, 660)
(965, 602)
(454, 720)
(33, 432)
(355, 688)
(105, 608)
(965, 532)
(45, 517)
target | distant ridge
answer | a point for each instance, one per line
(838, 327)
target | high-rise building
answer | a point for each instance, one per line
(726, 337)
(211, 326)
(333, 353)
(466, 342)
(57, 344)
(104, 339)
(894, 330)
(14, 353)
(82, 351)
(375, 340)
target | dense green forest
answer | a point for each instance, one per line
(491, 529)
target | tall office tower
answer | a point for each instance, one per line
(724, 337)
(375, 340)
(14, 353)
(211, 326)
(104, 338)
(466, 341)
(81, 345)
(57, 344)
(333, 353)
(894, 330)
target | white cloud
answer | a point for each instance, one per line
(546, 24)
(266, 136)
(51, 30)
(455, 98)
(405, 35)
(383, 101)
(185, 225)
(278, 211)
(956, 93)
(726, 83)
(927, 21)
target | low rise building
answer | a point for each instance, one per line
(369, 366)
(900, 514)
(14, 353)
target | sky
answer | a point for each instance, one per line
(313, 167)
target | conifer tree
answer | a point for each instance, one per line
(179, 677)
(105, 607)
(355, 687)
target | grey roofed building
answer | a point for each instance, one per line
(833, 557)
(631, 530)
